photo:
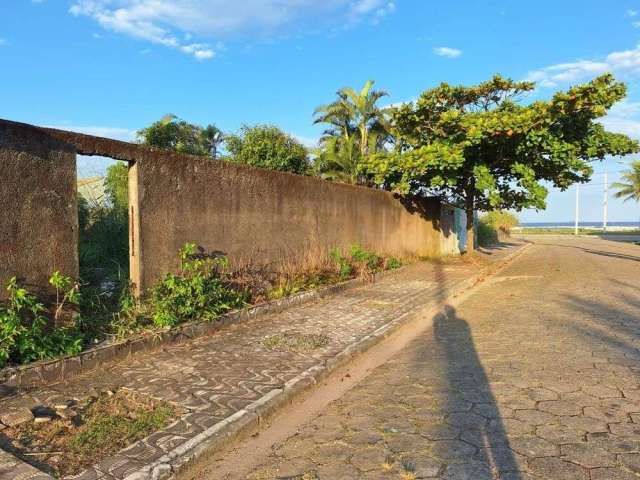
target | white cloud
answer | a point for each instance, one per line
(376, 9)
(308, 142)
(173, 23)
(632, 13)
(447, 52)
(623, 63)
(624, 118)
(200, 51)
(3, 42)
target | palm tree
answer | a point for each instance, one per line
(212, 137)
(354, 113)
(338, 160)
(630, 188)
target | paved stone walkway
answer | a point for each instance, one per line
(536, 375)
(214, 377)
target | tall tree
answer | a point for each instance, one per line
(479, 148)
(629, 188)
(338, 159)
(268, 147)
(172, 133)
(353, 118)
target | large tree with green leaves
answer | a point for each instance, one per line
(482, 149)
(268, 147)
(629, 187)
(172, 133)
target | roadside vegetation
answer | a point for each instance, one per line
(629, 187)
(81, 434)
(495, 227)
(205, 287)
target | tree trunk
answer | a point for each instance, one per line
(470, 230)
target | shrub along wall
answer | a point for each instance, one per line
(249, 214)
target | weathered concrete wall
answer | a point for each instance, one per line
(263, 215)
(39, 219)
(247, 213)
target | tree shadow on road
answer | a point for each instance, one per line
(471, 405)
(621, 256)
(610, 326)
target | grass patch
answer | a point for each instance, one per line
(295, 342)
(89, 432)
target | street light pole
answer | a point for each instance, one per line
(606, 198)
(577, 206)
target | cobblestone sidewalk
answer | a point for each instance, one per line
(535, 376)
(214, 377)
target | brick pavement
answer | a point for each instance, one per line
(216, 376)
(534, 376)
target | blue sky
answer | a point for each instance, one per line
(110, 67)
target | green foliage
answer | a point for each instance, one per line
(108, 428)
(487, 234)
(116, 186)
(25, 331)
(360, 261)
(268, 147)
(365, 257)
(67, 292)
(357, 127)
(197, 293)
(339, 159)
(501, 220)
(129, 317)
(629, 188)
(288, 286)
(494, 225)
(480, 149)
(392, 263)
(172, 133)
(345, 269)
(103, 243)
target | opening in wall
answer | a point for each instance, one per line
(103, 217)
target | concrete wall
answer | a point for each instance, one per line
(247, 213)
(263, 215)
(39, 219)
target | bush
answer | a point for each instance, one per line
(345, 270)
(495, 226)
(197, 293)
(25, 332)
(361, 262)
(487, 234)
(269, 147)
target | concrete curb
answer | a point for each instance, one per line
(47, 372)
(248, 420)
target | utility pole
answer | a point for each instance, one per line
(606, 197)
(577, 206)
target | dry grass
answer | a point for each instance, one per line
(101, 428)
(295, 341)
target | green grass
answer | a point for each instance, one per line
(98, 429)
(109, 433)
